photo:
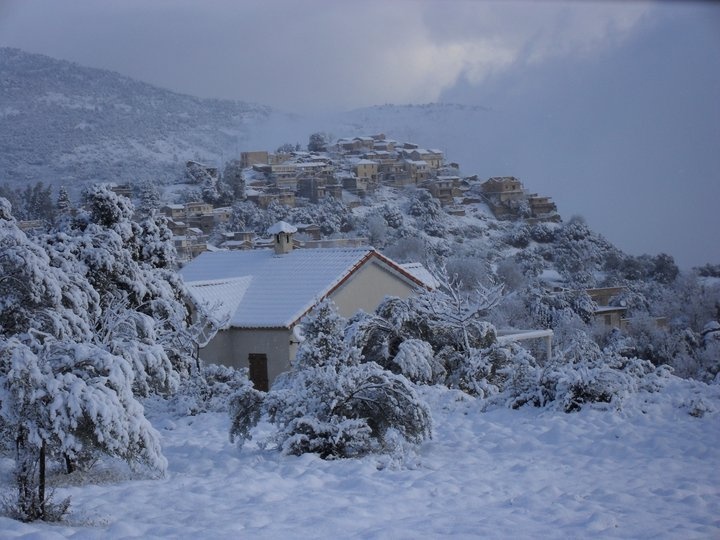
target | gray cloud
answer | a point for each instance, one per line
(314, 54)
(628, 137)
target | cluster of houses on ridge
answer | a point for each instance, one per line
(349, 170)
(354, 167)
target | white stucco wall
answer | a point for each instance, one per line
(233, 346)
(368, 287)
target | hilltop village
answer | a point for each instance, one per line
(348, 170)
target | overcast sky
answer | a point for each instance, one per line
(612, 108)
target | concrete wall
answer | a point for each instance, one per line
(232, 348)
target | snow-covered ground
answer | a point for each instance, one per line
(650, 470)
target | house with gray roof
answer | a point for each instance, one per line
(259, 296)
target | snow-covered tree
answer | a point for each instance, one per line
(63, 391)
(396, 337)
(208, 181)
(62, 398)
(149, 198)
(457, 314)
(329, 403)
(234, 179)
(323, 344)
(63, 208)
(428, 212)
(145, 308)
(318, 142)
(37, 296)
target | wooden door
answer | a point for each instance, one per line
(259, 371)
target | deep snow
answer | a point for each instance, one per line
(650, 470)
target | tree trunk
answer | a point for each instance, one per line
(69, 464)
(41, 482)
(25, 468)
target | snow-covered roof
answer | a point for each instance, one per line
(364, 162)
(282, 227)
(421, 273)
(510, 336)
(263, 290)
(609, 309)
(221, 296)
(310, 165)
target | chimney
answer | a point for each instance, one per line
(282, 233)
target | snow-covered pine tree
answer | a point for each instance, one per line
(60, 399)
(233, 178)
(37, 296)
(149, 198)
(323, 343)
(61, 392)
(144, 306)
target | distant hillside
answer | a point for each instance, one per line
(64, 123)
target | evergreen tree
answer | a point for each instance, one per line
(149, 198)
(234, 179)
(63, 206)
(61, 399)
(318, 142)
(62, 390)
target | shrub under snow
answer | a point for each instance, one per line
(331, 404)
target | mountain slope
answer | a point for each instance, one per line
(64, 123)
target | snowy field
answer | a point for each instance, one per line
(649, 471)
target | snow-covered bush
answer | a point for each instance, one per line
(345, 412)
(510, 274)
(408, 336)
(582, 374)
(468, 371)
(506, 371)
(416, 360)
(331, 404)
(518, 237)
(543, 232)
(550, 310)
(428, 212)
(380, 338)
(210, 389)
